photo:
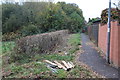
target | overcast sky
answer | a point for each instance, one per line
(91, 8)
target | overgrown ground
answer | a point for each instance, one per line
(34, 67)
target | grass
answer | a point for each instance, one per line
(74, 40)
(61, 73)
(33, 66)
(29, 69)
(55, 57)
(7, 47)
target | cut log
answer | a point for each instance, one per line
(60, 65)
(70, 65)
(50, 62)
(66, 65)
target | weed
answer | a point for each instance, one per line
(29, 66)
(61, 73)
(74, 40)
(16, 69)
(7, 46)
(56, 57)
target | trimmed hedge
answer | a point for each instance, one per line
(41, 43)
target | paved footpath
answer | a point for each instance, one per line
(92, 58)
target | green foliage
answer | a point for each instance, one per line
(33, 18)
(29, 30)
(75, 40)
(29, 69)
(61, 73)
(33, 66)
(73, 50)
(11, 17)
(75, 19)
(7, 46)
(80, 72)
(94, 20)
(56, 57)
(114, 15)
(16, 69)
(11, 36)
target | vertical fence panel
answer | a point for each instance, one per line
(93, 31)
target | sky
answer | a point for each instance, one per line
(91, 8)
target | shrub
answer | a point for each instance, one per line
(30, 30)
(10, 36)
(115, 15)
(41, 43)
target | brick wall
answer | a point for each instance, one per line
(114, 46)
(119, 45)
(102, 38)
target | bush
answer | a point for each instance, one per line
(115, 15)
(29, 30)
(41, 43)
(40, 17)
(10, 36)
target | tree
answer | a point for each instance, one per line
(42, 16)
(11, 17)
(74, 15)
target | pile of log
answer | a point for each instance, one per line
(61, 65)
